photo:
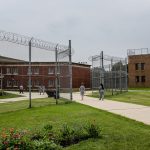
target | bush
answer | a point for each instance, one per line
(2, 93)
(93, 130)
(44, 145)
(66, 135)
(47, 138)
(13, 139)
(37, 135)
(48, 127)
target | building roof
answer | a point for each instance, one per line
(7, 60)
(4, 59)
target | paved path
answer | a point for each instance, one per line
(25, 96)
(133, 111)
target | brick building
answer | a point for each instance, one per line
(138, 69)
(15, 72)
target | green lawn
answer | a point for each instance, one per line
(118, 133)
(132, 96)
(9, 95)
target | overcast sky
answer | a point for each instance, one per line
(93, 25)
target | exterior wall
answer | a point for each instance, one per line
(80, 73)
(132, 72)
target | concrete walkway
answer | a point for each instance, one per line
(133, 111)
(25, 96)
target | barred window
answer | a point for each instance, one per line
(142, 78)
(36, 70)
(142, 66)
(36, 83)
(51, 70)
(137, 66)
(51, 83)
(137, 79)
(13, 70)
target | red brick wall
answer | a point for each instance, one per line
(80, 73)
(132, 72)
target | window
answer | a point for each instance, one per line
(13, 70)
(142, 78)
(51, 83)
(36, 83)
(28, 71)
(137, 79)
(36, 70)
(142, 66)
(51, 70)
(9, 83)
(8, 70)
(137, 66)
(15, 83)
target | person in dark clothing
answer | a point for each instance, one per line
(101, 92)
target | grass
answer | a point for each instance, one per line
(21, 105)
(119, 133)
(142, 88)
(132, 96)
(9, 95)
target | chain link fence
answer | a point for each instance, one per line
(111, 72)
(35, 63)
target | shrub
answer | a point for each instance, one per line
(66, 135)
(44, 145)
(13, 139)
(93, 130)
(2, 93)
(48, 127)
(47, 138)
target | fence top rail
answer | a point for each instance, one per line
(24, 40)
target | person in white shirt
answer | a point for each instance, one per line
(82, 90)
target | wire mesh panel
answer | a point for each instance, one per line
(65, 72)
(32, 63)
(110, 71)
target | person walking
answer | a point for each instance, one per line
(21, 89)
(82, 90)
(40, 89)
(101, 92)
(43, 89)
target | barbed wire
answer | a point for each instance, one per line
(24, 40)
(106, 57)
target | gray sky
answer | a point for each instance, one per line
(93, 25)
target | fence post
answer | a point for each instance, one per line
(92, 75)
(120, 77)
(30, 73)
(70, 69)
(111, 76)
(56, 73)
(102, 62)
(126, 70)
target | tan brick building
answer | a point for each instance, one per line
(139, 70)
